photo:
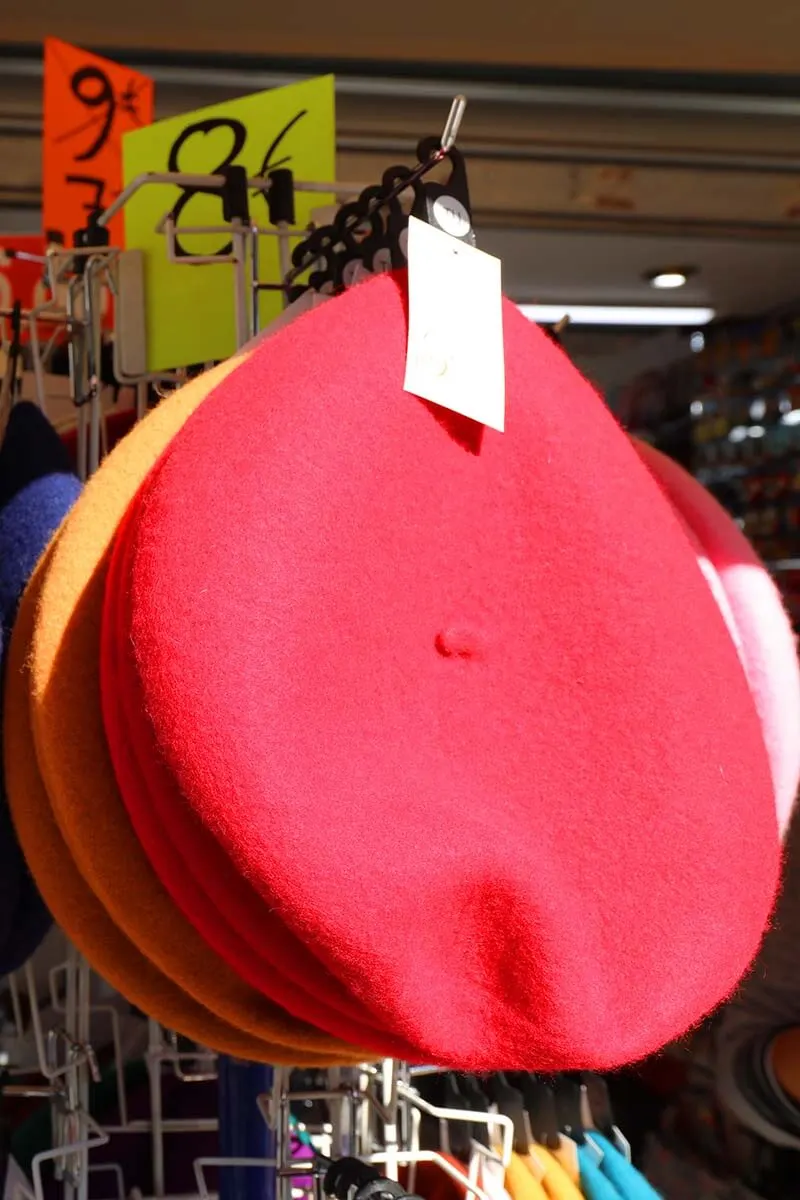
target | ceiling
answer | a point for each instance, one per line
(737, 278)
(716, 35)
(581, 187)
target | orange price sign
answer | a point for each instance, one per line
(21, 279)
(89, 103)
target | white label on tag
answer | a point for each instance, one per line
(451, 215)
(455, 326)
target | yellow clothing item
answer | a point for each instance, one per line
(555, 1181)
(521, 1183)
(567, 1156)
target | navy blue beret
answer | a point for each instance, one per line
(37, 490)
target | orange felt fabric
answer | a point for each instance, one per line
(71, 901)
(73, 756)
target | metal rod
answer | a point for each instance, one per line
(83, 1028)
(76, 371)
(173, 177)
(240, 288)
(94, 362)
(28, 315)
(215, 182)
(169, 1125)
(154, 1053)
(38, 368)
(255, 307)
(400, 187)
(453, 123)
(284, 254)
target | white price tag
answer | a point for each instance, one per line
(455, 326)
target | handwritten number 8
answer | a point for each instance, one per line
(93, 88)
(238, 139)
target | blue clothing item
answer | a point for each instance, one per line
(594, 1184)
(37, 490)
(629, 1182)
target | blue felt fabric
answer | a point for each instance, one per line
(37, 490)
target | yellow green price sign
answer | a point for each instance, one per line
(190, 308)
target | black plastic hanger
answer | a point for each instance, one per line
(445, 205)
(540, 1104)
(383, 249)
(509, 1103)
(442, 1090)
(315, 251)
(340, 244)
(600, 1106)
(355, 224)
(476, 1101)
(568, 1107)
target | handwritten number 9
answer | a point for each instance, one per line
(238, 138)
(93, 88)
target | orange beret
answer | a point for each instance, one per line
(73, 758)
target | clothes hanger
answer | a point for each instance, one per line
(568, 1095)
(443, 1090)
(445, 205)
(382, 249)
(508, 1101)
(336, 250)
(356, 223)
(601, 1109)
(310, 253)
(540, 1104)
(477, 1101)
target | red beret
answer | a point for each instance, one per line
(276, 962)
(445, 702)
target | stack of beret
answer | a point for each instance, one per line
(37, 489)
(339, 726)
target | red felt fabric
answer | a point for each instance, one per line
(275, 963)
(449, 700)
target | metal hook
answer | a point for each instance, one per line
(453, 123)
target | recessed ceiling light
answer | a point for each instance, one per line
(669, 277)
(619, 315)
